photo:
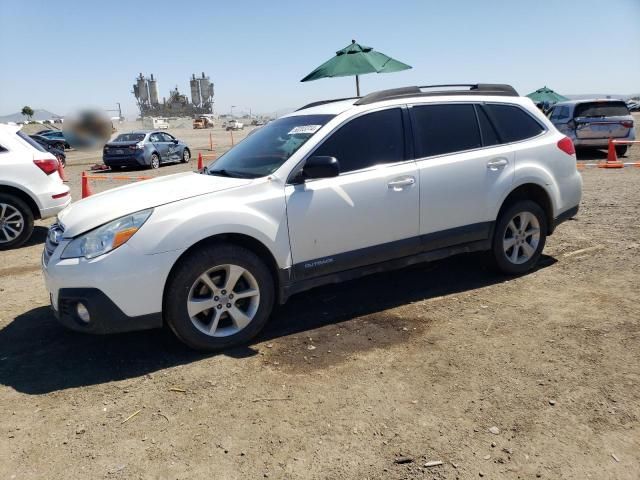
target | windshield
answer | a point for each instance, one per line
(601, 109)
(129, 137)
(268, 147)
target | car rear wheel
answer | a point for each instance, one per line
(519, 237)
(219, 297)
(16, 221)
(186, 155)
(155, 161)
(621, 150)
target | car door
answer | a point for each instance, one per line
(464, 170)
(172, 147)
(367, 214)
(160, 144)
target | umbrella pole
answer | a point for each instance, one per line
(357, 86)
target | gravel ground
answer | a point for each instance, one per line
(370, 379)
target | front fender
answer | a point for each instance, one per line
(258, 211)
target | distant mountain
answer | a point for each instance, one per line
(37, 115)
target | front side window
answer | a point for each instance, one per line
(445, 128)
(167, 137)
(263, 152)
(513, 123)
(371, 139)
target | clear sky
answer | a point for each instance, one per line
(68, 54)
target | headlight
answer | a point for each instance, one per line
(107, 237)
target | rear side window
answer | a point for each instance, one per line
(489, 134)
(2, 149)
(513, 123)
(601, 109)
(371, 139)
(30, 141)
(446, 128)
(560, 113)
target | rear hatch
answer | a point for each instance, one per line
(123, 144)
(119, 148)
(602, 119)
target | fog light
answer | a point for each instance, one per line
(82, 312)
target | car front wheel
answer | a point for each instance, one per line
(16, 221)
(186, 155)
(219, 297)
(519, 237)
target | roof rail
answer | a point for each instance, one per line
(473, 89)
(324, 102)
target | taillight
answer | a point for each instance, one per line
(627, 123)
(48, 166)
(566, 145)
(137, 146)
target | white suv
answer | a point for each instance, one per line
(331, 192)
(30, 187)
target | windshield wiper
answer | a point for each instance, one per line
(229, 173)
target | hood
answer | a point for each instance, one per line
(96, 210)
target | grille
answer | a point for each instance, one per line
(54, 235)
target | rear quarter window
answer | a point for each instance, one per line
(513, 123)
(30, 141)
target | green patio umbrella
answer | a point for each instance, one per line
(356, 59)
(546, 95)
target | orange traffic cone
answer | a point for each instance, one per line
(200, 165)
(61, 171)
(86, 188)
(612, 158)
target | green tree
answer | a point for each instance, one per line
(27, 112)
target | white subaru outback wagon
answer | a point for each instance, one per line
(331, 192)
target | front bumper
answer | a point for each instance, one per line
(135, 159)
(123, 289)
(104, 315)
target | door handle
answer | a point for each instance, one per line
(497, 163)
(399, 183)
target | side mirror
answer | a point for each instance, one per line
(175, 141)
(321, 167)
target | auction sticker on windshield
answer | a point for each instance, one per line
(304, 129)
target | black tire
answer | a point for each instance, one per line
(503, 233)
(621, 150)
(186, 155)
(25, 227)
(154, 161)
(186, 275)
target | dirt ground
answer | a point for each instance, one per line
(348, 380)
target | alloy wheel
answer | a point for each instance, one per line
(223, 300)
(11, 223)
(521, 237)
